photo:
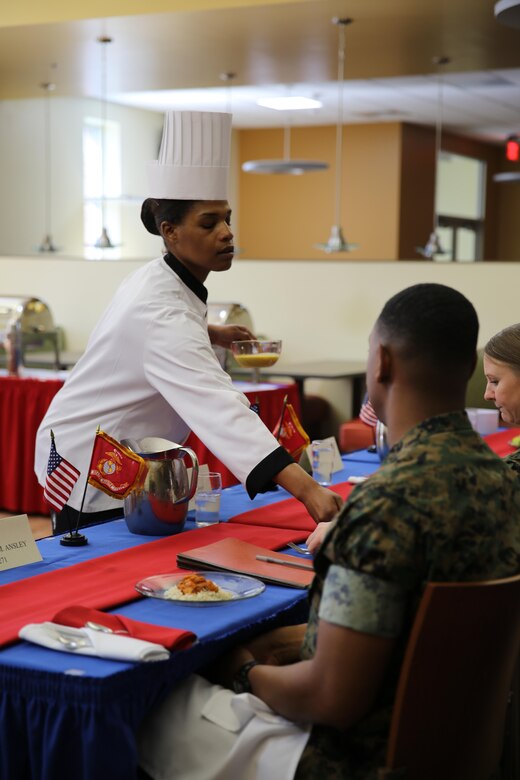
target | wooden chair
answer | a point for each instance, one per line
(449, 717)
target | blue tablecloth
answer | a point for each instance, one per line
(64, 716)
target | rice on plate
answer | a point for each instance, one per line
(195, 587)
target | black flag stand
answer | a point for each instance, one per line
(73, 538)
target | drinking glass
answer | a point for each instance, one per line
(322, 458)
(207, 499)
(256, 355)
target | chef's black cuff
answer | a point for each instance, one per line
(260, 479)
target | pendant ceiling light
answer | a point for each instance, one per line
(47, 245)
(433, 245)
(103, 241)
(285, 165)
(228, 77)
(507, 176)
(337, 242)
(508, 12)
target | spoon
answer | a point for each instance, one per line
(72, 644)
(299, 549)
(104, 629)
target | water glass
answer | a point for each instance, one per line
(207, 499)
(484, 421)
(322, 459)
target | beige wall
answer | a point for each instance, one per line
(319, 310)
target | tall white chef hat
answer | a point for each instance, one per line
(193, 159)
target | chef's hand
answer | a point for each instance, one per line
(316, 538)
(223, 335)
(322, 504)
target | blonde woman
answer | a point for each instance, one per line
(502, 370)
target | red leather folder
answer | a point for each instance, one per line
(240, 557)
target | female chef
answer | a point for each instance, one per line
(149, 368)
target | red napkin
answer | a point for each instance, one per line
(289, 514)
(171, 638)
(108, 581)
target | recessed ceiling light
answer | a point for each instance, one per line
(292, 103)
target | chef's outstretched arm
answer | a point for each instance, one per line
(322, 504)
(223, 335)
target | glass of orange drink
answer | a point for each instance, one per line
(256, 355)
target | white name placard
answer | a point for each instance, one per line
(337, 463)
(17, 546)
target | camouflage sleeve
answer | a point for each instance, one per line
(378, 534)
(513, 461)
(360, 601)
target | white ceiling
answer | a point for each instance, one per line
(175, 59)
(483, 104)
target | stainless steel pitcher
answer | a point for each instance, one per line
(160, 507)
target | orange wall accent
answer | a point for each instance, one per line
(388, 185)
(283, 216)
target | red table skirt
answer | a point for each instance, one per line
(271, 403)
(23, 403)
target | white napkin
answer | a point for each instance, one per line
(87, 641)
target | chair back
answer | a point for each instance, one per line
(452, 696)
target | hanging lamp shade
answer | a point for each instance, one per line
(507, 176)
(433, 246)
(508, 12)
(47, 245)
(336, 241)
(287, 165)
(103, 241)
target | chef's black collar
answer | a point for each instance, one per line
(187, 277)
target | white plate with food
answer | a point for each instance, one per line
(197, 589)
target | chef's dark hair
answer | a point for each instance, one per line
(433, 325)
(154, 212)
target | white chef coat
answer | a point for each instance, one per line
(150, 370)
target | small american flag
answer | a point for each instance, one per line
(61, 478)
(367, 414)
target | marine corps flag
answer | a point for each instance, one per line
(289, 431)
(114, 468)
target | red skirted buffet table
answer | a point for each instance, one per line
(23, 403)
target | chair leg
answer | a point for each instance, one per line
(391, 774)
(510, 762)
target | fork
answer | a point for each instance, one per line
(299, 549)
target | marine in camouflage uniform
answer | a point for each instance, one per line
(442, 507)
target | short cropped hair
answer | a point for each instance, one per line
(154, 212)
(432, 324)
(505, 347)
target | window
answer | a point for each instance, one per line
(460, 207)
